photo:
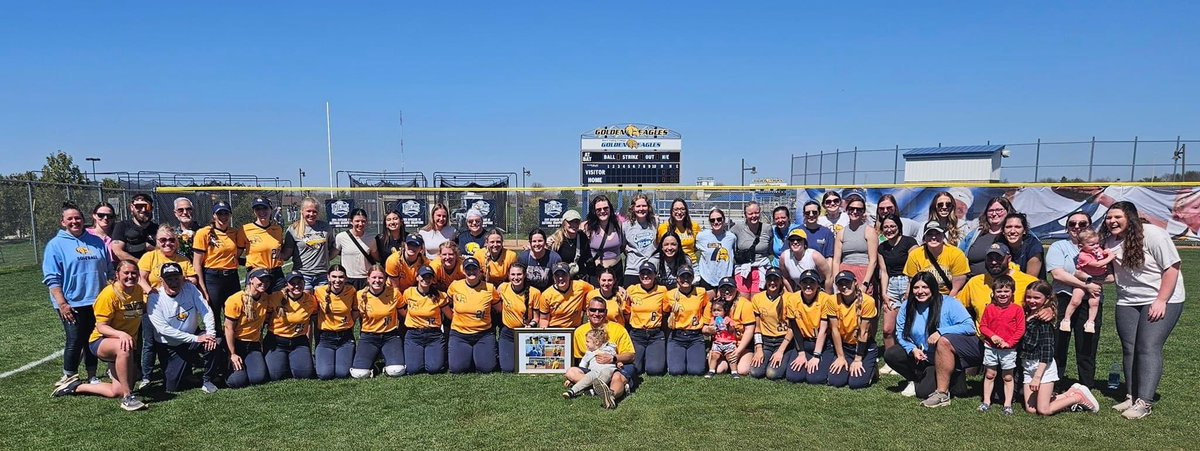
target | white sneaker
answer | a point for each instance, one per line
(910, 390)
(1138, 411)
(141, 384)
(94, 380)
(887, 370)
(1124, 405)
(131, 403)
(208, 387)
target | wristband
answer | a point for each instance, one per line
(757, 339)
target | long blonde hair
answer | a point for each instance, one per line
(300, 226)
(430, 227)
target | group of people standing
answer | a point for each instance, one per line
(799, 299)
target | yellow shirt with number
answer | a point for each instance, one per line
(220, 248)
(770, 314)
(496, 270)
(687, 238)
(566, 309)
(953, 261)
(424, 310)
(264, 245)
(472, 306)
(689, 312)
(123, 313)
(646, 308)
(399, 268)
(151, 263)
(807, 316)
(617, 336)
(379, 311)
(291, 318)
(245, 328)
(849, 317)
(516, 308)
(977, 293)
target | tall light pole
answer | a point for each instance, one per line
(99, 189)
(525, 196)
(301, 177)
(753, 170)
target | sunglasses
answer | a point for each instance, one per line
(181, 210)
(833, 201)
(856, 209)
(104, 215)
(811, 213)
(795, 241)
(945, 204)
(597, 310)
(716, 220)
(1078, 224)
(166, 240)
(143, 206)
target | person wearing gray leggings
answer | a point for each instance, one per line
(1149, 301)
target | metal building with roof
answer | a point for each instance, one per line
(977, 164)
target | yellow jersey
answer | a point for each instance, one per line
(742, 314)
(247, 328)
(472, 306)
(397, 267)
(849, 317)
(617, 336)
(496, 270)
(953, 261)
(769, 315)
(566, 309)
(442, 278)
(689, 312)
(264, 245)
(220, 247)
(687, 238)
(646, 309)
(119, 311)
(807, 317)
(424, 310)
(977, 293)
(151, 263)
(292, 316)
(336, 311)
(379, 311)
(518, 308)
(616, 310)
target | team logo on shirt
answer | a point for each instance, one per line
(182, 316)
(133, 310)
(82, 250)
(472, 247)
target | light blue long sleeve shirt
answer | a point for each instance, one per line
(954, 320)
(80, 266)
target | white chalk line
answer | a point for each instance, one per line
(31, 365)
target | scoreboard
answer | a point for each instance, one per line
(630, 154)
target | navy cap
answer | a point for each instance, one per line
(470, 262)
(260, 274)
(413, 238)
(170, 269)
(726, 282)
(293, 276)
(425, 271)
(844, 276)
(810, 274)
(260, 202)
(221, 206)
(997, 248)
(684, 269)
(774, 272)
(646, 266)
(562, 267)
(933, 225)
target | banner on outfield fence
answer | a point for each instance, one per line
(337, 212)
(1175, 209)
(414, 212)
(550, 213)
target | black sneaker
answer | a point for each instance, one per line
(607, 397)
(67, 389)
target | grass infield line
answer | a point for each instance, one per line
(32, 365)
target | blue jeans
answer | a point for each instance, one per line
(75, 346)
(311, 282)
(254, 367)
(180, 359)
(818, 377)
(425, 351)
(148, 348)
(289, 357)
(650, 346)
(686, 353)
(506, 348)
(472, 351)
(335, 352)
(371, 345)
(844, 378)
(770, 346)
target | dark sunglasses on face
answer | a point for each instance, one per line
(104, 215)
(166, 240)
(833, 201)
(716, 220)
(181, 210)
(597, 310)
(812, 213)
(944, 204)
(1078, 224)
(856, 209)
(795, 241)
(143, 207)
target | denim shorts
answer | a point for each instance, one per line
(1006, 359)
(314, 281)
(897, 288)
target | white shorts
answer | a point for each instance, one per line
(1006, 359)
(1050, 375)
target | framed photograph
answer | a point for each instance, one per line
(543, 351)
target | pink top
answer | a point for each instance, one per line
(107, 242)
(1006, 322)
(725, 333)
(1087, 258)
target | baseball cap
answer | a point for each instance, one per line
(221, 206)
(647, 267)
(799, 232)
(293, 276)
(726, 282)
(170, 269)
(260, 274)
(562, 267)
(997, 248)
(470, 262)
(684, 269)
(425, 271)
(260, 202)
(774, 272)
(571, 215)
(415, 239)
(844, 276)
(810, 274)
(933, 225)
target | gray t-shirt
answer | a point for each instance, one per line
(745, 238)
(715, 255)
(639, 245)
(310, 251)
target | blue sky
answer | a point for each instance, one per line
(240, 86)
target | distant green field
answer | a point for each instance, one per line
(525, 412)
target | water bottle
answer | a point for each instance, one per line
(1114, 376)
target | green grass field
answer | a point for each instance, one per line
(508, 411)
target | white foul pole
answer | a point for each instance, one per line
(329, 146)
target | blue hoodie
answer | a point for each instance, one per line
(78, 265)
(954, 321)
